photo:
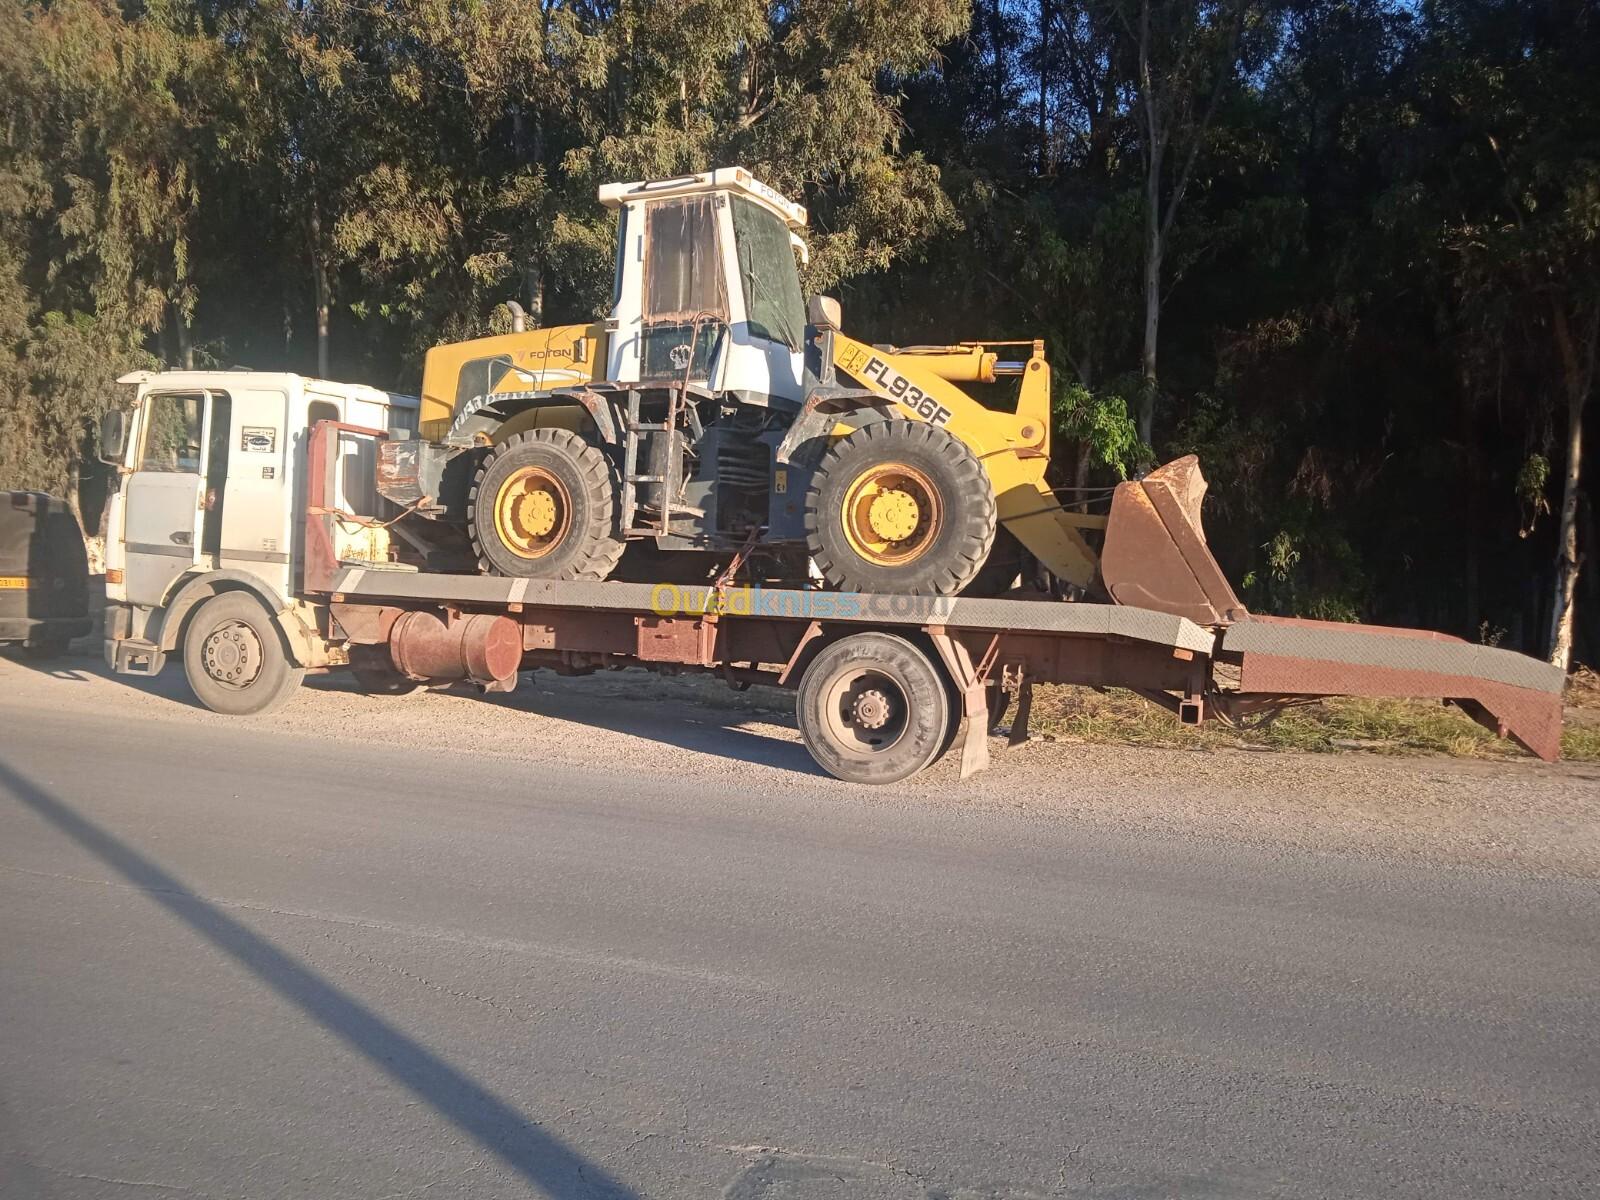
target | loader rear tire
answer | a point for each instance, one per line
(543, 505)
(901, 507)
(875, 708)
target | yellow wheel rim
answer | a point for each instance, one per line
(532, 512)
(891, 514)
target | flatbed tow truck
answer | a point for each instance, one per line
(279, 561)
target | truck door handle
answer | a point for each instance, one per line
(183, 537)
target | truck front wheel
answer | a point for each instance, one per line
(873, 708)
(235, 659)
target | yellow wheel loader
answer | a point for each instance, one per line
(712, 411)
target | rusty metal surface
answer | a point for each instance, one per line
(1155, 554)
(686, 640)
(1530, 716)
(1411, 650)
(480, 647)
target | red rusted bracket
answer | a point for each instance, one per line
(971, 682)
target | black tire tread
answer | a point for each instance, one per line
(975, 516)
(598, 558)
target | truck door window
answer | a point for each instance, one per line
(172, 433)
(221, 440)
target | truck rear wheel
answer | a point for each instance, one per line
(873, 708)
(901, 507)
(235, 659)
(544, 506)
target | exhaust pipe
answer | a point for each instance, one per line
(519, 319)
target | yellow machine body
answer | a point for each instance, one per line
(532, 360)
(1014, 447)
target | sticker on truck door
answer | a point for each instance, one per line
(258, 439)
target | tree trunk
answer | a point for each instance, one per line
(1578, 369)
(319, 281)
(1153, 246)
(185, 339)
(1568, 561)
(1044, 87)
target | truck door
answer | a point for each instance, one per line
(165, 497)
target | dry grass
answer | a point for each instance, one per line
(1377, 726)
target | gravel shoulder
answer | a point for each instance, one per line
(1519, 815)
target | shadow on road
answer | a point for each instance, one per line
(538, 1157)
(71, 667)
(701, 715)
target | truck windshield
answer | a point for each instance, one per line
(773, 304)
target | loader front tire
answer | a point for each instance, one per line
(543, 505)
(900, 506)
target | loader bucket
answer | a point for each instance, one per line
(1155, 553)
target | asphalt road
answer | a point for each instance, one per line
(242, 960)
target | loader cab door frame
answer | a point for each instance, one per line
(172, 503)
(683, 256)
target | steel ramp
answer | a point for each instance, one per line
(1510, 694)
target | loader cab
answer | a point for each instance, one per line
(707, 282)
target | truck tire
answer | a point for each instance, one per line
(543, 505)
(873, 708)
(235, 659)
(901, 507)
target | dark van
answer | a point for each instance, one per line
(44, 574)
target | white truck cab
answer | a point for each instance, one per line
(209, 494)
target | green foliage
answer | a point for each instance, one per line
(1378, 297)
(1102, 422)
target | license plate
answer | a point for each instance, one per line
(13, 582)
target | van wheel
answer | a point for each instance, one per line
(873, 708)
(544, 505)
(235, 659)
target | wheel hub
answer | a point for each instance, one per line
(536, 512)
(232, 654)
(532, 512)
(871, 709)
(893, 515)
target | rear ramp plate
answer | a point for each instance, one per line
(1508, 693)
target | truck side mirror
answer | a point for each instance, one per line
(113, 436)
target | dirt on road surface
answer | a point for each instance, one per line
(1519, 814)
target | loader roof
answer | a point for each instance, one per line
(738, 179)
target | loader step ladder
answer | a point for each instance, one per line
(659, 519)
